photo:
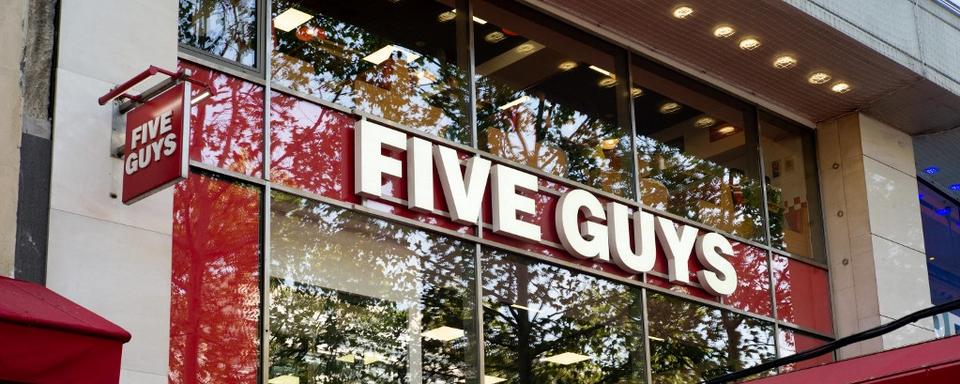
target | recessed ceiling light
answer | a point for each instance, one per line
(784, 62)
(726, 130)
(444, 333)
(487, 379)
(525, 48)
(955, 187)
(566, 358)
(372, 357)
(447, 16)
(724, 31)
(494, 37)
(609, 144)
(384, 53)
(567, 65)
(818, 78)
(636, 92)
(931, 170)
(290, 19)
(518, 306)
(704, 122)
(284, 379)
(349, 358)
(931, 258)
(514, 103)
(669, 107)
(654, 338)
(607, 82)
(749, 43)
(682, 12)
(840, 87)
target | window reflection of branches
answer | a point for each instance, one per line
(225, 28)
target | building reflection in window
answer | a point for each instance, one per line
(225, 28)
(548, 101)
(691, 342)
(402, 67)
(545, 324)
(693, 154)
(792, 194)
(357, 299)
(940, 214)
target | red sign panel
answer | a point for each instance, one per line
(155, 156)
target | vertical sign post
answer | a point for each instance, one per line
(155, 154)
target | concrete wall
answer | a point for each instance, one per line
(113, 259)
(12, 16)
(874, 234)
(919, 34)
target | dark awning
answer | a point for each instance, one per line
(45, 338)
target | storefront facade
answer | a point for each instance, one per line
(466, 191)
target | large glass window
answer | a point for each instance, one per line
(941, 236)
(393, 59)
(694, 152)
(790, 171)
(545, 324)
(548, 100)
(357, 299)
(691, 342)
(225, 28)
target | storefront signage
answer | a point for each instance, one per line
(587, 228)
(155, 154)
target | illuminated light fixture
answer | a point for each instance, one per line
(609, 144)
(447, 16)
(349, 358)
(945, 211)
(525, 48)
(566, 358)
(818, 78)
(372, 357)
(784, 62)
(955, 187)
(444, 333)
(200, 97)
(494, 37)
(724, 31)
(931, 258)
(567, 65)
(487, 379)
(726, 130)
(384, 53)
(450, 15)
(669, 107)
(518, 306)
(607, 82)
(284, 379)
(601, 71)
(749, 43)
(654, 338)
(840, 87)
(931, 170)
(682, 12)
(290, 19)
(514, 103)
(704, 122)
(636, 92)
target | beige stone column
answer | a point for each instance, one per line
(12, 14)
(873, 228)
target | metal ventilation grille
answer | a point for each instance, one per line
(876, 80)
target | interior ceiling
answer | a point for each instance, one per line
(880, 87)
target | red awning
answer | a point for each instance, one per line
(45, 338)
(936, 361)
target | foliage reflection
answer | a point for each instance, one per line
(691, 342)
(545, 324)
(225, 28)
(356, 299)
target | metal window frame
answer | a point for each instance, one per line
(625, 58)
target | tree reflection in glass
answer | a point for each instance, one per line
(402, 68)
(545, 324)
(225, 28)
(356, 299)
(691, 342)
